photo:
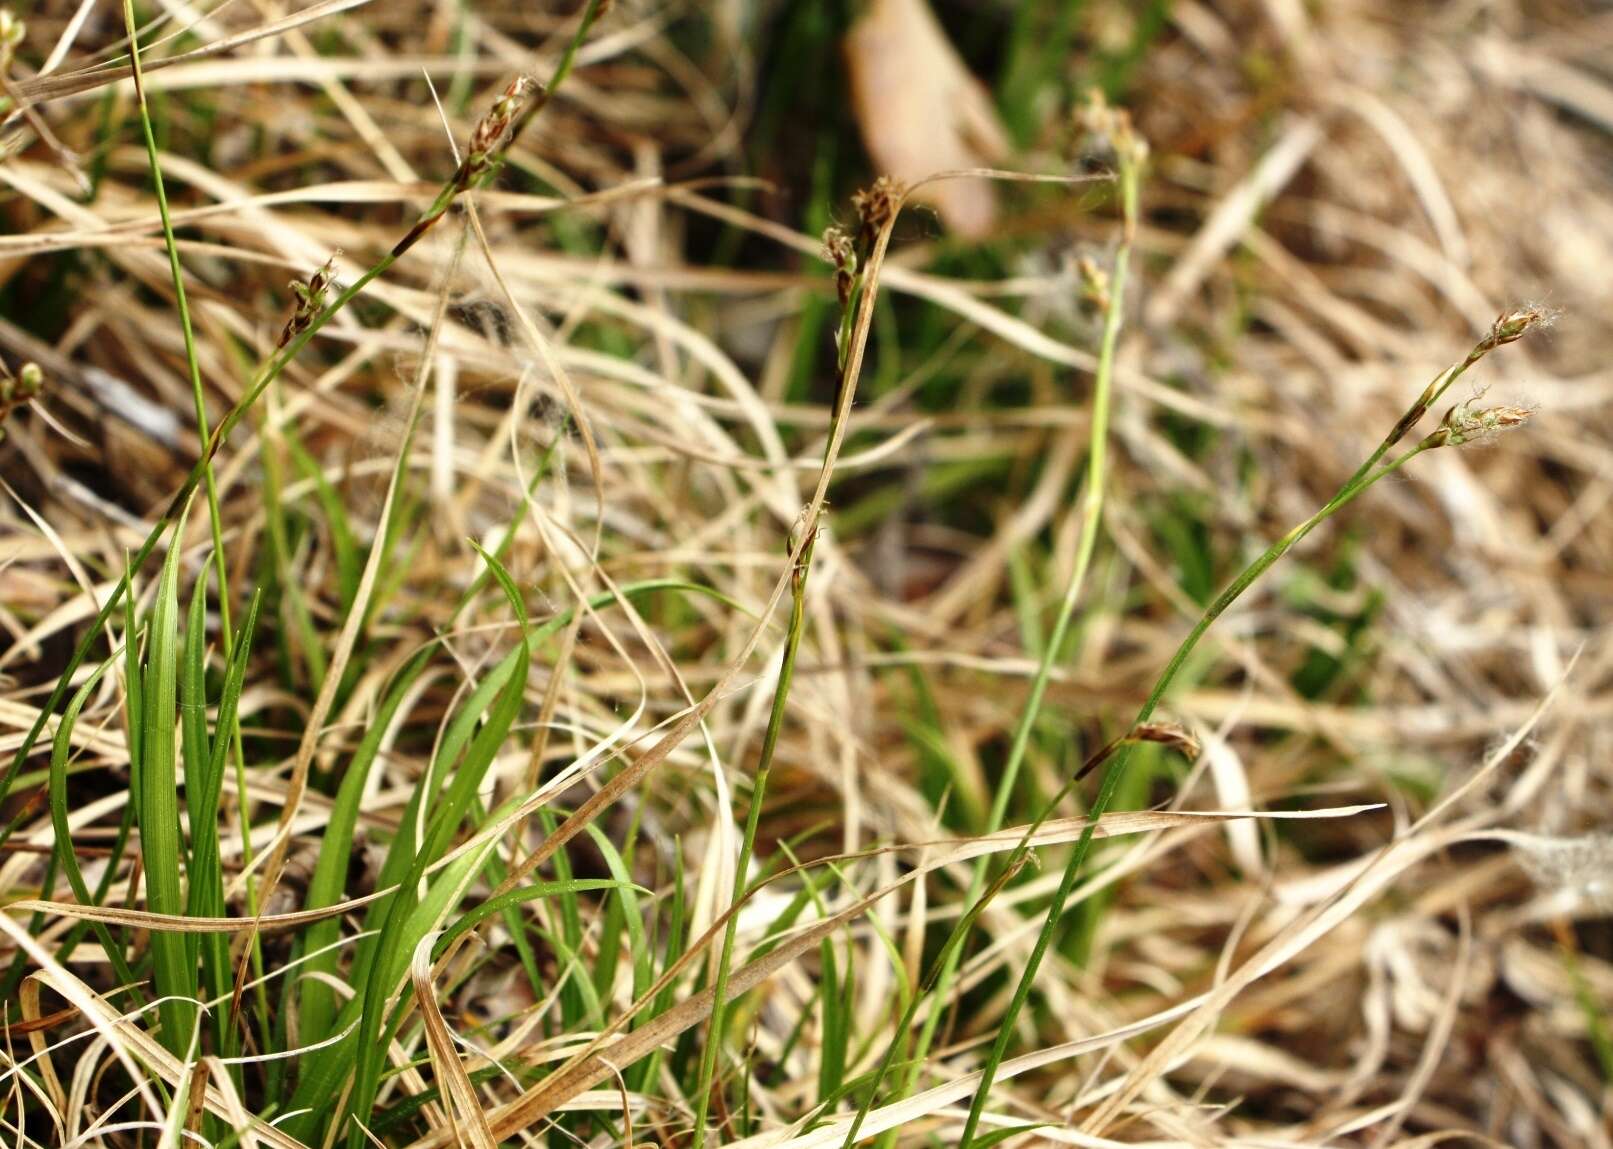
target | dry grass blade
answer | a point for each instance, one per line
(132, 1046)
(469, 1122)
(191, 924)
(55, 87)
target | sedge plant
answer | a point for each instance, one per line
(850, 256)
(1463, 423)
(167, 683)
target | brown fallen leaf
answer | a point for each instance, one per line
(921, 112)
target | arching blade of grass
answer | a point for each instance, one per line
(406, 860)
(451, 757)
(624, 915)
(317, 1003)
(172, 971)
(523, 894)
(317, 1000)
(408, 922)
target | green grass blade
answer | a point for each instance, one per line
(205, 897)
(411, 919)
(575, 1010)
(642, 1075)
(195, 746)
(632, 914)
(384, 963)
(317, 1000)
(529, 893)
(133, 707)
(505, 581)
(61, 750)
(173, 974)
(498, 873)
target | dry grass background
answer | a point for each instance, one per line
(1341, 197)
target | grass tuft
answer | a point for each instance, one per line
(662, 595)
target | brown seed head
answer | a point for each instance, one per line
(488, 136)
(838, 250)
(310, 299)
(1178, 738)
(877, 206)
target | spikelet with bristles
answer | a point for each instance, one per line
(487, 139)
(310, 299)
(876, 206)
(1466, 423)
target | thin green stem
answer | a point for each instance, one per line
(182, 305)
(1353, 488)
(747, 844)
(561, 71)
(1091, 519)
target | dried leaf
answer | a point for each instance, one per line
(921, 112)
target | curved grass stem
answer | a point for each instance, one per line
(1506, 329)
